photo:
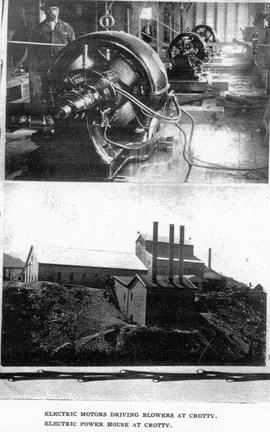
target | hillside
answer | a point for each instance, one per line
(49, 324)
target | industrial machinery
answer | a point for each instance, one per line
(206, 33)
(108, 95)
(189, 50)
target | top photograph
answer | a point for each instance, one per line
(136, 91)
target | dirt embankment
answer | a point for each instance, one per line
(49, 324)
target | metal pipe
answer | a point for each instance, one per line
(85, 56)
(154, 252)
(210, 258)
(171, 253)
(181, 253)
(35, 43)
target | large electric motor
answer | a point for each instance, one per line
(106, 93)
(206, 32)
(188, 51)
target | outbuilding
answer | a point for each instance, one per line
(13, 268)
(149, 303)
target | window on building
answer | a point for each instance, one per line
(83, 277)
(124, 296)
(146, 13)
(71, 277)
(59, 277)
(131, 296)
(131, 318)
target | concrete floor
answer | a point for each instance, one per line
(232, 136)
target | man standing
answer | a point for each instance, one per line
(54, 31)
(50, 31)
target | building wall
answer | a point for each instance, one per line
(169, 307)
(121, 293)
(137, 303)
(94, 276)
(162, 249)
(132, 301)
(163, 265)
(225, 18)
(31, 268)
(195, 268)
(12, 273)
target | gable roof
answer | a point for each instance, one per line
(10, 261)
(87, 258)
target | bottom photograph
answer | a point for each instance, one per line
(108, 275)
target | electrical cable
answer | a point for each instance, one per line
(188, 156)
(149, 110)
(132, 146)
(209, 165)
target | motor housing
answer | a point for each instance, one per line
(95, 88)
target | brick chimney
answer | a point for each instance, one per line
(154, 252)
(171, 253)
(210, 258)
(181, 253)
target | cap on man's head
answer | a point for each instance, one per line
(49, 3)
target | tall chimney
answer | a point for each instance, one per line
(171, 253)
(181, 253)
(154, 250)
(210, 258)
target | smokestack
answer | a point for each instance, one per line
(171, 253)
(181, 253)
(154, 256)
(210, 258)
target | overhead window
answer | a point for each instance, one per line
(146, 13)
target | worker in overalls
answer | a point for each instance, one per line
(51, 31)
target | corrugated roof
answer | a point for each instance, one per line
(88, 258)
(162, 282)
(10, 261)
(163, 239)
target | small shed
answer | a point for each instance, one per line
(13, 268)
(154, 304)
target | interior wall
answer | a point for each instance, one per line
(225, 18)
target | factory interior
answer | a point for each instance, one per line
(142, 92)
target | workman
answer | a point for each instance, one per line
(50, 31)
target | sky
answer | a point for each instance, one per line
(233, 221)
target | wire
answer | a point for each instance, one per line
(149, 110)
(209, 165)
(132, 146)
(189, 157)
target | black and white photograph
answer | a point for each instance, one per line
(130, 91)
(167, 282)
(134, 216)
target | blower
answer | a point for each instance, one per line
(108, 95)
(189, 50)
